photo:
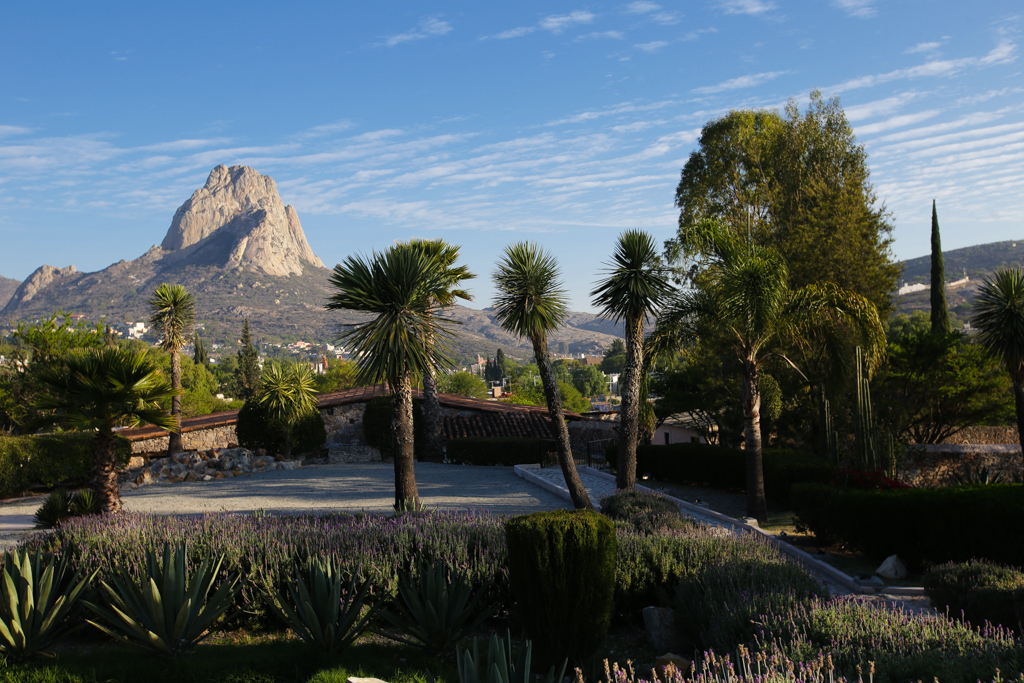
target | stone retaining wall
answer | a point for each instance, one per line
(935, 465)
(194, 440)
(986, 435)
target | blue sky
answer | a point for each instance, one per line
(563, 123)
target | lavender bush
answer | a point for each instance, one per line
(900, 645)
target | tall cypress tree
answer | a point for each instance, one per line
(940, 314)
(247, 376)
(200, 357)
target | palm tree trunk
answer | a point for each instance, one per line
(406, 495)
(756, 504)
(1018, 400)
(287, 448)
(629, 411)
(580, 498)
(104, 480)
(175, 444)
(433, 450)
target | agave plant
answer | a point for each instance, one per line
(170, 611)
(35, 596)
(978, 476)
(85, 502)
(436, 613)
(60, 505)
(500, 667)
(324, 615)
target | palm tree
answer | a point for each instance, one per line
(98, 390)
(530, 302)
(742, 299)
(444, 256)
(402, 341)
(288, 394)
(636, 286)
(174, 312)
(999, 317)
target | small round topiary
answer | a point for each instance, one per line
(644, 511)
(561, 567)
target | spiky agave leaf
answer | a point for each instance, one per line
(324, 615)
(169, 611)
(35, 597)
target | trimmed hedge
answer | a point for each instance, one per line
(923, 526)
(255, 429)
(377, 418)
(51, 459)
(498, 451)
(727, 467)
(981, 591)
(561, 566)
(644, 512)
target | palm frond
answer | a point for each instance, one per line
(999, 317)
(174, 313)
(530, 299)
(637, 282)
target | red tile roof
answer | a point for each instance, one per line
(511, 419)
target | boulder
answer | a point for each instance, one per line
(660, 623)
(682, 664)
(892, 568)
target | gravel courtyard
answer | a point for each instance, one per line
(325, 488)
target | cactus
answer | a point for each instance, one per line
(874, 449)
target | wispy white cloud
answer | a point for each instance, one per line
(517, 32)
(642, 7)
(986, 96)
(862, 9)
(617, 35)
(897, 122)
(748, 81)
(625, 108)
(430, 27)
(653, 11)
(7, 131)
(327, 129)
(923, 47)
(745, 6)
(870, 110)
(183, 145)
(1005, 51)
(652, 46)
(556, 23)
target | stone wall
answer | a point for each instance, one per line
(194, 440)
(935, 465)
(986, 435)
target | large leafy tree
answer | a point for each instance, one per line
(636, 285)
(98, 390)
(403, 339)
(287, 394)
(999, 317)
(174, 314)
(447, 289)
(741, 299)
(797, 183)
(530, 302)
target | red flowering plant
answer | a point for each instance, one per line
(868, 480)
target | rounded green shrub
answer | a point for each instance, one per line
(48, 460)
(256, 429)
(643, 511)
(561, 568)
(377, 418)
(980, 591)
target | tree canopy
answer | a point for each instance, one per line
(799, 184)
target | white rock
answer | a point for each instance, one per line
(288, 465)
(892, 568)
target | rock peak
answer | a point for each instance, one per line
(237, 220)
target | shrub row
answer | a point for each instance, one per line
(498, 451)
(923, 526)
(51, 460)
(645, 512)
(256, 429)
(980, 591)
(722, 467)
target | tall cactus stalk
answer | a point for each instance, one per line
(874, 449)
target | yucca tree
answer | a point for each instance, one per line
(289, 394)
(444, 256)
(402, 341)
(531, 302)
(742, 299)
(98, 390)
(636, 286)
(174, 314)
(999, 317)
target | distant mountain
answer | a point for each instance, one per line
(973, 263)
(243, 253)
(7, 287)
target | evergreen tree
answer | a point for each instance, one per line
(200, 356)
(247, 376)
(940, 314)
(499, 365)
